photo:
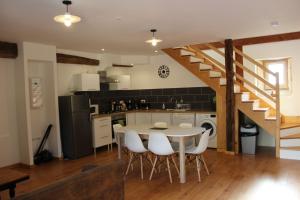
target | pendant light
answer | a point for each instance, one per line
(154, 40)
(67, 19)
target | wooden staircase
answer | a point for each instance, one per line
(257, 104)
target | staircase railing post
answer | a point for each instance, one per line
(230, 98)
(278, 117)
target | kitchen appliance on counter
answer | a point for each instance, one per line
(144, 105)
(75, 126)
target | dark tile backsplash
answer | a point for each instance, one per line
(199, 97)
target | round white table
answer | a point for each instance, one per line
(171, 131)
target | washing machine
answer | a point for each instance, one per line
(208, 121)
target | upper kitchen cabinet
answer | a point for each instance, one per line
(87, 82)
(120, 82)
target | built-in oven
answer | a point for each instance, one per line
(117, 118)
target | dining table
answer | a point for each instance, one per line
(176, 133)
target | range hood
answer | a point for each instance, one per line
(105, 79)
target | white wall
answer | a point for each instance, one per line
(45, 115)
(9, 145)
(35, 52)
(289, 100)
(66, 71)
(144, 74)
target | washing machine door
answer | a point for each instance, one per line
(208, 124)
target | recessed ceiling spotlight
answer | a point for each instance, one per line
(155, 51)
(67, 19)
(274, 23)
(102, 49)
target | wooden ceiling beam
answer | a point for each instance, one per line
(71, 59)
(255, 40)
(8, 50)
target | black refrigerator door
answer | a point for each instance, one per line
(82, 134)
(80, 103)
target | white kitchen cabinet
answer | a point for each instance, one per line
(123, 82)
(161, 117)
(178, 118)
(143, 118)
(102, 132)
(86, 82)
(130, 118)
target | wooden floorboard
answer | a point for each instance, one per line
(232, 177)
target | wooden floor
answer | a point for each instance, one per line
(232, 177)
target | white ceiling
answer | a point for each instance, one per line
(122, 26)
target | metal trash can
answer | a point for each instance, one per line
(249, 134)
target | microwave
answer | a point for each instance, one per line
(94, 109)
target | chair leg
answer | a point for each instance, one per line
(204, 163)
(129, 164)
(169, 170)
(175, 165)
(198, 168)
(141, 160)
(151, 174)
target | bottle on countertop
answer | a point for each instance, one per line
(163, 106)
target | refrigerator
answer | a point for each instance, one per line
(75, 126)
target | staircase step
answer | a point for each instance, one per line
(179, 47)
(271, 118)
(245, 96)
(289, 131)
(203, 67)
(290, 143)
(297, 148)
(194, 59)
(215, 74)
(236, 88)
(223, 81)
(292, 153)
(289, 125)
(291, 136)
(260, 109)
(184, 52)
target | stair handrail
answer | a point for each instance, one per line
(271, 86)
(275, 99)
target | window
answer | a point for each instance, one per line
(281, 66)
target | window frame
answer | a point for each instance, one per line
(285, 85)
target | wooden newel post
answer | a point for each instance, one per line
(230, 98)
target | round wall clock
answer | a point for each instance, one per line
(163, 71)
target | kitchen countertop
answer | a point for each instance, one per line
(155, 111)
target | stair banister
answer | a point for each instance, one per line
(278, 117)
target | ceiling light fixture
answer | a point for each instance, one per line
(154, 40)
(67, 19)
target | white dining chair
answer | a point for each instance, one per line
(160, 146)
(116, 128)
(190, 141)
(136, 149)
(197, 152)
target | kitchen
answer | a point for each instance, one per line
(132, 105)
